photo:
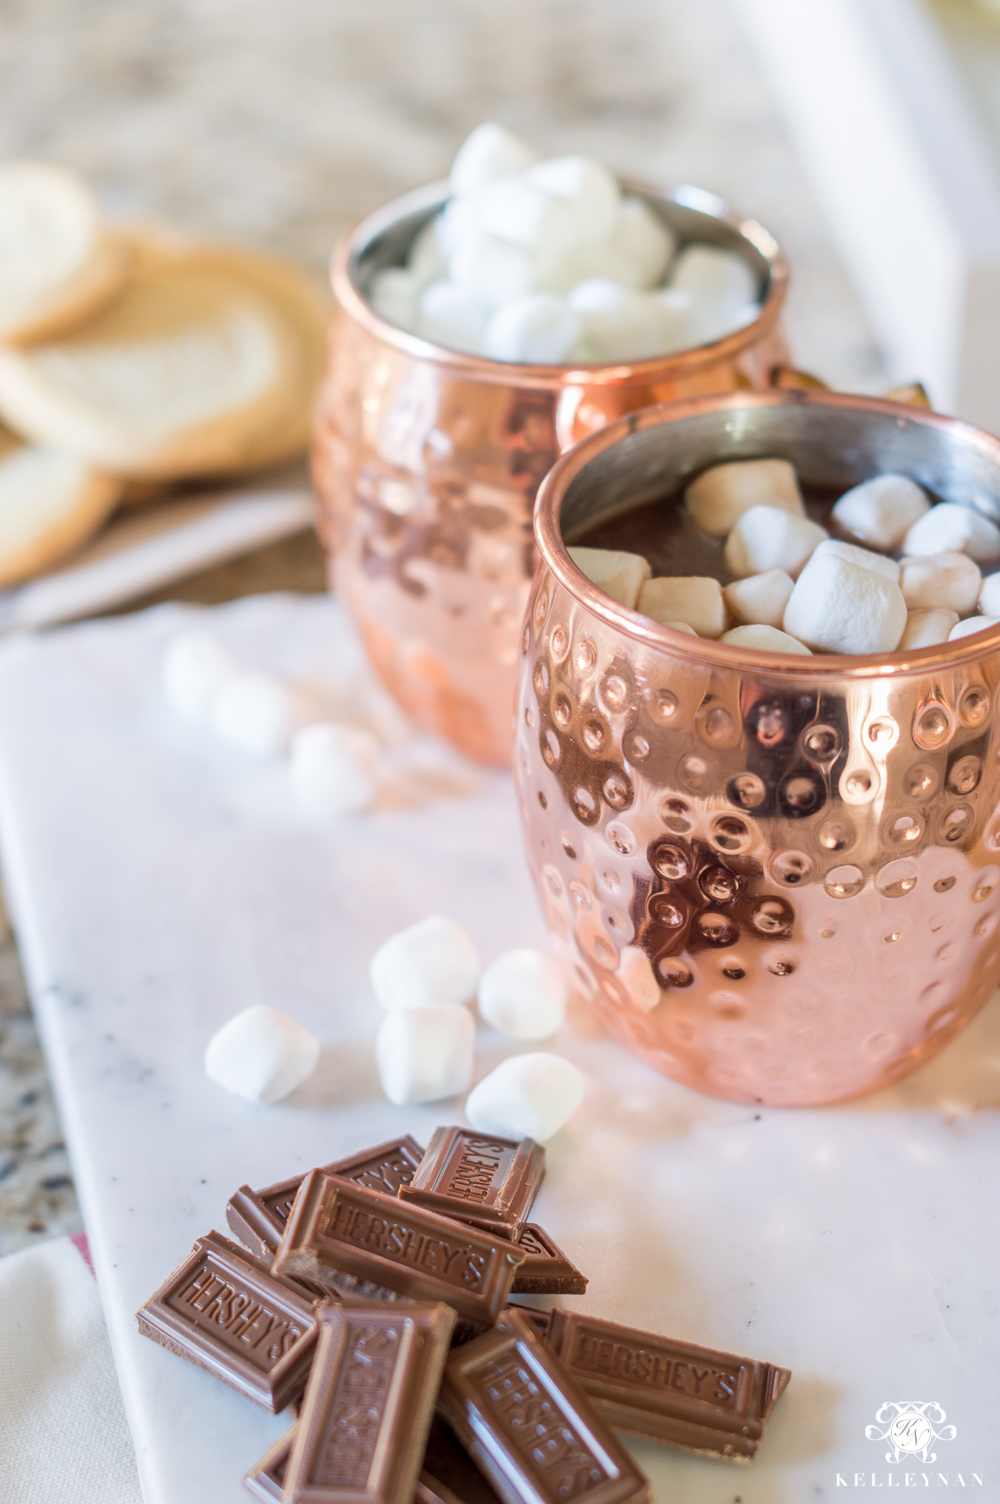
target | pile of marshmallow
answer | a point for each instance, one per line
(424, 978)
(333, 764)
(796, 589)
(550, 262)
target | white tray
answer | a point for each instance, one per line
(160, 884)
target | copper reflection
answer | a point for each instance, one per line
(427, 463)
(777, 879)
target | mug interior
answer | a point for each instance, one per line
(832, 442)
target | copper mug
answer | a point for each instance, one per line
(777, 877)
(427, 463)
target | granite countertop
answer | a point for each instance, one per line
(279, 125)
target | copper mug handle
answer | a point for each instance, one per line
(788, 378)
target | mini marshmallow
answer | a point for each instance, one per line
(721, 282)
(425, 263)
(678, 318)
(768, 537)
(970, 625)
(452, 316)
(393, 293)
(195, 667)
(948, 580)
(619, 323)
(840, 607)
(948, 528)
(256, 713)
(989, 596)
(641, 243)
(588, 190)
(718, 498)
(680, 626)
(261, 1055)
(760, 599)
(687, 598)
(863, 557)
(764, 639)
(488, 153)
(518, 211)
(527, 1096)
(619, 574)
(523, 993)
(880, 511)
(926, 626)
(424, 1054)
(540, 328)
(433, 961)
(331, 768)
(498, 274)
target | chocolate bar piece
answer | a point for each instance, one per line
(530, 1427)
(669, 1391)
(449, 1475)
(368, 1405)
(485, 1181)
(266, 1480)
(224, 1310)
(539, 1319)
(546, 1270)
(338, 1228)
(258, 1217)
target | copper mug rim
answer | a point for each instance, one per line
(634, 624)
(348, 293)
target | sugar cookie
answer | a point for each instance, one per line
(57, 263)
(50, 503)
(206, 362)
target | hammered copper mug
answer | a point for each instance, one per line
(427, 462)
(778, 877)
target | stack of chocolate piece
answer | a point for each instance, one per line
(376, 1299)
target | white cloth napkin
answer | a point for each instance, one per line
(63, 1434)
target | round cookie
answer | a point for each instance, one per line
(57, 263)
(50, 503)
(207, 361)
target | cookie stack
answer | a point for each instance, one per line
(133, 358)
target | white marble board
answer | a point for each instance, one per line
(161, 883)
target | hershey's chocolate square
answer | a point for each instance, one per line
(478, 1178)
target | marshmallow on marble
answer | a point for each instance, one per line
(527, 1096)
(718, 498)
(970, 625)
(523, 993)
(619, 574)
(618, 322)
(261, 1055)
(949, 580)
(693, 599)
(861, 556)
(195, 667)
(928, 625)
(839, 607)
(433, 961)
(488, 153)
(764, 639)
(540, 328)
(948, 528)
(760, 599)
(989, 595)
(424, 1054)
(331, 768)
(768, 537)
(257, 713)
(451, 315)
(880, 511)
